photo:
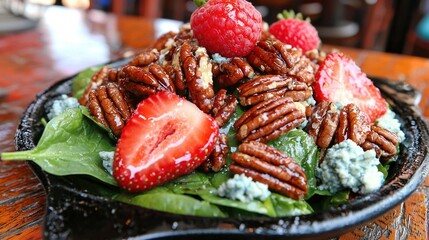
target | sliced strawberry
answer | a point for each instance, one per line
(166, 137)
(339, 79)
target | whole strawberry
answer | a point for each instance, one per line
(292, 29)
(228, 27)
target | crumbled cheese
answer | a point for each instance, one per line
(217, 58)
(391, 123)
(347, 166)
(59, 105)
(244, 189)
(310, 101)
(107, 158)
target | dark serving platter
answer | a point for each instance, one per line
(75, 211)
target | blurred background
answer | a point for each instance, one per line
(396, 26)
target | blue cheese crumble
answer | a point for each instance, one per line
(107, 158)
(347, 166)
(59, 105)
(391, 123)
(244, 189)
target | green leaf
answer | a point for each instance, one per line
(87, 114)
(285, 206)
(200, 3)
(173, 203)
(322, 203)
(81, 81)
(70, 145)
(301, 147)
(196, 183)
(230, 131)
(265, 208)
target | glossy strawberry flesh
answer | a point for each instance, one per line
(340, 80)
(166, 137)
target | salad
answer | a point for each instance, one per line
(226, 117)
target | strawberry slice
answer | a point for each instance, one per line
(339, 79)
(166, 137)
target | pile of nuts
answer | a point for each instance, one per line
(272, 83)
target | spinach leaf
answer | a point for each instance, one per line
(81, 81)
(285, 206)
(301, 147)
(265, 208)
(196, 183)
(87, 114)
(230, 131)
(70, 145)
(322, 203)
(171, 202)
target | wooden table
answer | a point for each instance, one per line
(67, 41)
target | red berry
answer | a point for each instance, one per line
(339, 79)
(228, 27)
(166, 137)
(296, 32)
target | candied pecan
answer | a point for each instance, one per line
(185, 34)
(317, 56)
(352, 125)
(98, 78)
(197, 71)
(270, 166)
(144, 81)
(163, 41)
(217, 158)
(145, 58)
(266, 58)
(109, 106)
(268, 86)
(323, 123)
(223, 107)
(230, 72)
(269, 119)
(174, 68)
(275, 57)
(383, 141)
(113, 75)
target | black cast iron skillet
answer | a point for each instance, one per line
(75, 211)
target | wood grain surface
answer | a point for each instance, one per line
(67, 41)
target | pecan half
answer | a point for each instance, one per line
(197, 70)
(144, 81)
(352, 125)
(268, 120)
(275, 57)
(162, 42)
(383, 141)
(145, 58)
(317, 56)
(217, 158)
(231, 72)
(109, 106)
(224, 106)
(270, 166)
(323, 123)
(98, 78)
(268, 86)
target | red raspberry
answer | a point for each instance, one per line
(228, 27)
(292, 29)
